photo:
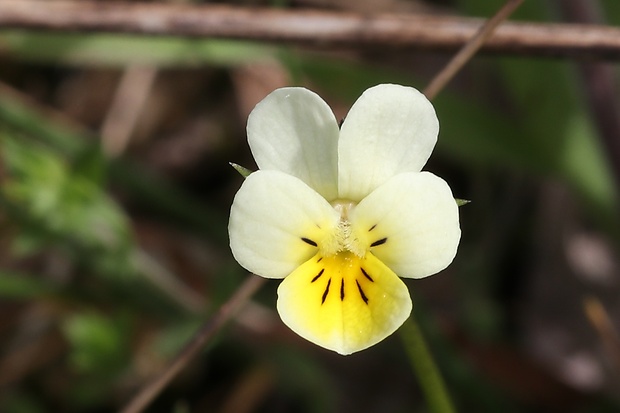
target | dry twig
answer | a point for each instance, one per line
(468, 51)
(324, 29)
(195, 345)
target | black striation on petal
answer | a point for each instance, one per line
(379, 242)
(326, 291)
(366, 275)
(359, 287)
(316, 277)
(309, 241)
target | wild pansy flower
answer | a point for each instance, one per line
(340, 213)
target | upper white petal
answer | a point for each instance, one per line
(270, 215)
(390, 129)
(294, 131)
(417, 215)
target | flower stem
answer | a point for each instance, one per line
(424, 366)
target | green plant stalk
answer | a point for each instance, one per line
(424, 366)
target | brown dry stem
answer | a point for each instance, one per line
(324, 29)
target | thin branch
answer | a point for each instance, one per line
(194, 346)
(468, 51)
(324, 29)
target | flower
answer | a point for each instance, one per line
(337, 213)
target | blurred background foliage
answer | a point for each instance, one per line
(114, 253)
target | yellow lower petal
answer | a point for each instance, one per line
(343, 302)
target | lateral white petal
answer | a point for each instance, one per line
(390, 129)
(294, 131)
(270, 216)
(413, 222)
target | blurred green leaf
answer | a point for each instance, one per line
(147, 189)
(118, 50)
(56, 203)
(98, 343)
(23, 286)
(99, 355)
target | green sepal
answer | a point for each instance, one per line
(461, 202)
(245, 172)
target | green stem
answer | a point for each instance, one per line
(424, 366)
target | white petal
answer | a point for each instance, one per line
(270, 216)
(389, 130)
(417, 216)
(294, 131)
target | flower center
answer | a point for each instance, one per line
(342, 238)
